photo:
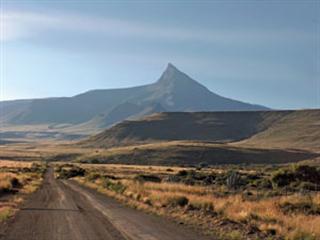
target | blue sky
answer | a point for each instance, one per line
(264, 52)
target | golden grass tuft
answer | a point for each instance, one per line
(14, 164)
(6, 181)
(5, 212)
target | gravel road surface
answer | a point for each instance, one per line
(64, 210)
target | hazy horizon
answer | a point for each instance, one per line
(258, 52)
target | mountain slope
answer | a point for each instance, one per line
(174, 91)
(125, 110)
(299, 129)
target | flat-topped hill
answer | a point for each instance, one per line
(292, 129)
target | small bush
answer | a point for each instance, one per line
(204, 206)
(94, 161)
(147, 178)
(209, 179)
(271, 231)
(93, 176)
(233, 235)
(182, 173)
(72, 172)
(264, 183)
(309, 186)
(282, 178)
(15, 183)
(117, 187)
(300, 235)
(233, 180)
(177, 201)
(173, 178)
(305, 173)
(5, 213)
(9, 183)
(307, 208)
(192, 177)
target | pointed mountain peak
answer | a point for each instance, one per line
(172, 73)
(173, 76)
(171, 66)
(171, 69)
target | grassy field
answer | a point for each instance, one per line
(17, 180)
(181, 153)
(192, 153)
(41, 150)
(231, 191)
(230, 202)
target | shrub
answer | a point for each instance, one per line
(177, 201)
(306, 173)
(307, 208)
(15, 183)
(203, 205)
(189, 180)
(182, 173)
(271, 231)
(93, 176)
(282, 178)
(300, 235)
(5, 213)
(72, 172)
(209, 179)
(173, 178)
(8, 183)
(147, 178)
(35, 167)
(117, 187)
(192, 177)
(263, 183)
(309, 186)
(233, 180)
(233, 235)
(110, 176)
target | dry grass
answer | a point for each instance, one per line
(207, 207)
(14, 164)
(17, 180)
(5, 212)
(29, 151)
(264, 213)
(6, 180)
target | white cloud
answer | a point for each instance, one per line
(17, 25)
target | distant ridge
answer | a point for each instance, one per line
(280, 129)
(174, 91)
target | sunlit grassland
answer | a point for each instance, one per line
(17, 180)
(244, 213)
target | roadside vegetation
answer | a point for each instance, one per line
(231, 202)
(17, 180)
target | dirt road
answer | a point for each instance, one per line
(64, 210)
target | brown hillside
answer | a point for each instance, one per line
(289, 129)
(299, 129)
(208, 126)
